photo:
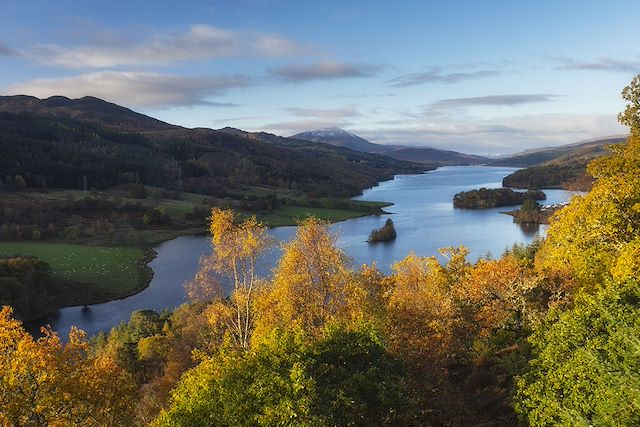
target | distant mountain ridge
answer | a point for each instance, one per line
(342, 138)
(555, 167)
(434, 155)
(590, 148)
(429, 156)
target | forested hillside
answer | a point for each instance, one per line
(58, 142)
(556, 167)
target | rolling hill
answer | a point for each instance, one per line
(87, 108)
(436, 156)
(579, 150)
(564, 166)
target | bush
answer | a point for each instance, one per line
(156, 216)
(585, 365)
(137, 191)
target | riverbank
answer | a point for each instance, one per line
(113, 264)
(422, 214)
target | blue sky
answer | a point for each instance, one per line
(483, 77)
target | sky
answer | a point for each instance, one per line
(483, 77)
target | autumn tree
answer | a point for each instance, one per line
(422, 319)
(589, 237)
(631, 115)
(45, 382)
(310, 281)
(346, 377)
(236, 248)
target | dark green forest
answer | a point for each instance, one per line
(44, 145)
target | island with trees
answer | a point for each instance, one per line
(386, 233)
(485, 198)
(533, 213)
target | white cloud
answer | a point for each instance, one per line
(505, 135)
(600, 64)
(198, 43)
(135, 89)
(494, 100)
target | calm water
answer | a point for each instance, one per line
(424, 218)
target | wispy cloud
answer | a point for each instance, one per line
(600, 64)
(330, 114)
(199, 42)
(505, 135)
(137, 89)
(364, 95)
(225, 120)
(437, 75)
(324, 70)
(493, 100)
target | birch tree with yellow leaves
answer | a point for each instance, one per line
(236, 249)
(309, 283)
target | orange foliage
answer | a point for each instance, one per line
(46, 382)
(422, 320)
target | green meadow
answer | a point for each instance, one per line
(89, 273)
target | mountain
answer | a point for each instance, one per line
(563, 166)
(342, 138)
(61, 142)
(428, 156)
(583, 149)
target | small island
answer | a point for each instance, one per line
(384, 234)
(486, 198)
(532, 213)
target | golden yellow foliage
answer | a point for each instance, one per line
(236, 248)
(497, 292)
(310, 281)
(587, 237)
(45, 382)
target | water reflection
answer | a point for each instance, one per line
(529, 228)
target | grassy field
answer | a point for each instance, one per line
(89, 273)
(291, 215)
